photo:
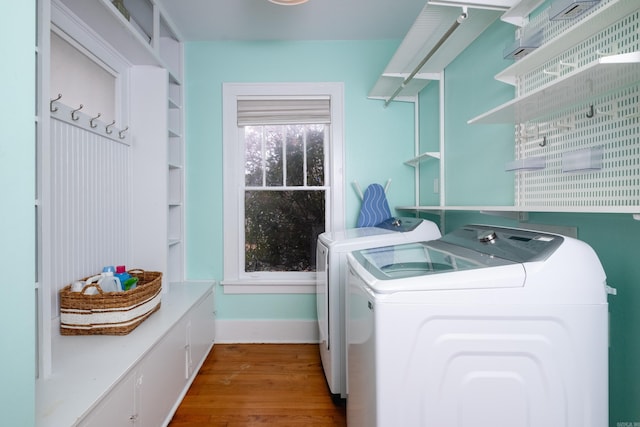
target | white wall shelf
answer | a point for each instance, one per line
(635, 210)
(519, 13)
(581, 30)
(598, 78)
(423, 36)
(146, 38)
(426, 156)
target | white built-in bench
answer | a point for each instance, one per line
(136, 379)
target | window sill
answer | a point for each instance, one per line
(249, 286)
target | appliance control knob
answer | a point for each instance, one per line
(488, 236)
(397, 222)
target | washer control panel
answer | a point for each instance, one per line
(507, 243)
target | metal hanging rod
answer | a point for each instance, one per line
(433, 50)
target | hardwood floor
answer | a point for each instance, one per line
(260, 385)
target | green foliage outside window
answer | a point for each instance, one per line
(284, 196)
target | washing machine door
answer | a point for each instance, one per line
(435, 265)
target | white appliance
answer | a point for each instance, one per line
(485, 327)
(332, 250)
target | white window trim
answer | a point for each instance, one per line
(233, 282)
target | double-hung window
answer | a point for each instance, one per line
(283, 162)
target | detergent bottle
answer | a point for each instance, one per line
(108, 282)
(122, 275)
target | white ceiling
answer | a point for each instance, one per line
(314, 20)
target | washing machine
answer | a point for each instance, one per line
(484, 327)
(332, 250)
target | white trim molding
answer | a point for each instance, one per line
(234, 279)
(294, 331)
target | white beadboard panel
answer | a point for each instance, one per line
(90, 196)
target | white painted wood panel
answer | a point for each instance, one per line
(90, 200)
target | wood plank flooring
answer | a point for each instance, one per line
(260, 385)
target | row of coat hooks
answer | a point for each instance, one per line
(92, 122)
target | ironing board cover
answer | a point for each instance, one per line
(375, 208)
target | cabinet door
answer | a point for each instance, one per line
(118, 408)
(162, 377)
(201, 332)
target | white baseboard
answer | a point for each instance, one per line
(266, 331)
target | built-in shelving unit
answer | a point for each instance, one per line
(138, 379)
(144, 35)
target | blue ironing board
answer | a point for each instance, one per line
(375, 207)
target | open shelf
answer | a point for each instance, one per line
(584, 28)
(601, 76)
(423, 158)
(423, 36)
(635, 210)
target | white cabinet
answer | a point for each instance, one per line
(119, 407)
(162, 377)
(200, 335)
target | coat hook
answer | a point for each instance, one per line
(92, 121)
(51, 107)
(121, 133)
(590, 113)
(543, 142)
(74, 117)
(107, 130)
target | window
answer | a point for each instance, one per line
(283, 182)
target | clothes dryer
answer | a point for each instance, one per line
(485, 327)
(332, 250)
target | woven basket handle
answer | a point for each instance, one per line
(92, 285)
(136, 271)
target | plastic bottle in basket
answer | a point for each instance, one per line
(121, 273)
(108, 282)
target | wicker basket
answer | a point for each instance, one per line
(110, 313)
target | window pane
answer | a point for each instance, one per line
(273, 155)
(315, 155)
(281, 228)
(295, 155)
(253, 156)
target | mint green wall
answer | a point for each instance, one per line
(429, 116)
(475, 176)
(17, 221)
(377, 142)
(470, 90)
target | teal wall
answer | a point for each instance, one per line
(429, 141)
(17, 221)
(475, 176)
(377, 142)
(470, 90)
